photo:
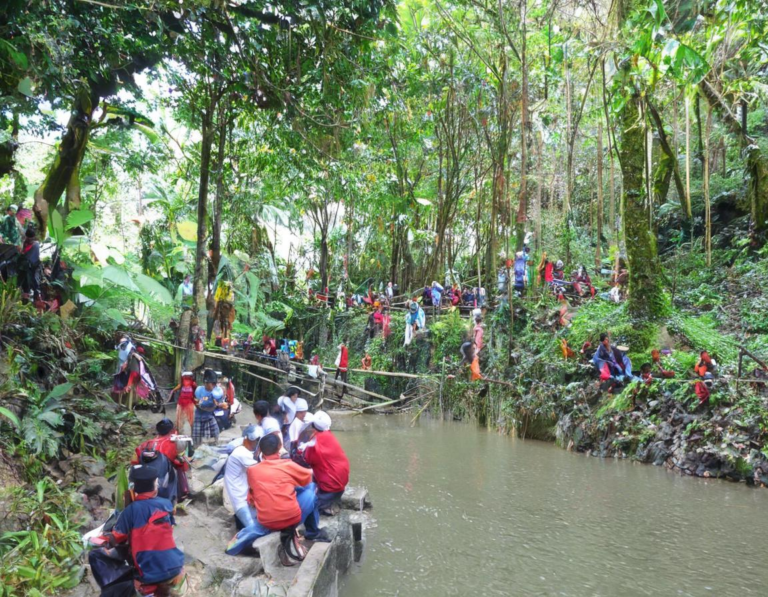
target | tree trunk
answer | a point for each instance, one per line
(201, 262)
(598, 244)
(705, 183)
(645, 298)
(757, 165)
(522, 207)
(67, 161)
(688, 157)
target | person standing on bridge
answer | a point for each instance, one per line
(342, 366)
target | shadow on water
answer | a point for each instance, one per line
(460, 511)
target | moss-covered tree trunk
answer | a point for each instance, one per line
(645, 293)
(66, 163)
(757, 164)
(201, 262)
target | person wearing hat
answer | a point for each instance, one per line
(208, 399)
(283, 495)
(236, 478)
(303, 416)
(28, 270)
(9, 229)
(415, 320)
(146, 525)
(185, 404)
(330, 465)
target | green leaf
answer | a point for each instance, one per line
(187, 230)
(154, 288)
(147, 131)
(4, 412)
(59, 390)
(120, 277)
(25, 87)
(56, 227)
(78, 218)
(115, 315)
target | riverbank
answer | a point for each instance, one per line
(549, 391)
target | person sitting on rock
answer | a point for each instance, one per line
(242, 457)
(146, 525)
(706, 366)
(329, 463)
(283, 495)
(302, 415)
(165, 455)
(646, 373)
(208, 399)
(604, 356)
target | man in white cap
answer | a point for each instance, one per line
(303, 417)
(236, 477)
(329, 463)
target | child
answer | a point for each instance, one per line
(185, 405)
(208, 398)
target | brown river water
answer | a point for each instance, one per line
(461, 511)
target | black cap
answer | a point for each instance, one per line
(143, 478)
(164, 427)
(209, 376)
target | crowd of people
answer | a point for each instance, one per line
(22, 259)
(287, 469)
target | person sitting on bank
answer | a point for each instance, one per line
(242, 457)
(208, 399)
(283, 495)
(706, 366)
(302, 416)
(646, 373)
(366, 362)
(146, 526)
(330, 465)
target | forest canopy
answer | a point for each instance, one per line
(337, 144)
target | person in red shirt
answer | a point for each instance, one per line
(165, 444)
(329, 463)
(185, 405)
(283, 495)
(342, 366)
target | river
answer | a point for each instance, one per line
(460, 511)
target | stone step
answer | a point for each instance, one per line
(356, 498)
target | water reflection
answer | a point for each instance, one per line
(459, 511)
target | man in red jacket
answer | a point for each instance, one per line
(328, 461)
(283, 495)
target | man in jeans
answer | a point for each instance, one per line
(283, 495)
(329, 463)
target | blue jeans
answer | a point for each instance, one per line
(310, 516)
